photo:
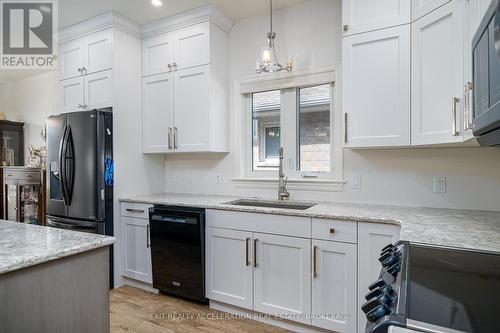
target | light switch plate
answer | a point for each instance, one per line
(439, 184)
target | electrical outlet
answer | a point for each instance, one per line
(439, 184)
(177, 179)
(356, 182)
(187, 179)
(218, 179)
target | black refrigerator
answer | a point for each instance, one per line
(80, 172)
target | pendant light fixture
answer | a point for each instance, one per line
(268, 62)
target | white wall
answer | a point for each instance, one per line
(310, 32)
(31, 100)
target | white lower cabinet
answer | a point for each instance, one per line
(372, 237)
(334, 302)
(282, 278)
(229, 273)
(137, 251)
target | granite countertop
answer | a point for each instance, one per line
(471, 229)
(23, 245)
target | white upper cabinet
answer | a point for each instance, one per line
(282, 276)
(157, 55)
(179, 49)
(229, 268)
(158, 116)
(86, 55)
(192, 113)
(71, 94)
(437, 75)
(192, 64)
(98, 52)
(420, 8)
(192, 46)
(98, 90)
(71, 59)
(368, 15)
(334, 285)
(376, 88)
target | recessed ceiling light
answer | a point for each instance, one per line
(156, 3)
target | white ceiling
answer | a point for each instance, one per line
(141, 11)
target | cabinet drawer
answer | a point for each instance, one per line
(18, 175)
(264, 223)
(137, 210)
(335, 230)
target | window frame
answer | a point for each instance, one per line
(289, 84)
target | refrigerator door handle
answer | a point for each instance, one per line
(69, 154)
(62, 168)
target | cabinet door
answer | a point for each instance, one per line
(71, 58)
(376, 88)
(71, 94)
(367, 15)
(192, 109)
(420, 8)
(192, 46)
(137, 253)
(372, 237)
(437, 75)
(98, 52)
(157, 113)
(229, 267)
(99, 90)
(282, 276)
(334, 285)
(157, 55)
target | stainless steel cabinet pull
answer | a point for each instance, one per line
(346, 117)
(169, 66)
(468, 108)
(175, 137)
(255, 252)
(332, 230)
(247, 262)
(148, 243)
(133, 210)
(170, 138)
(345, 28)
(315, 272)
(174, 65)
(80, 69)
(455, 101)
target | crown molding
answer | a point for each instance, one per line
(98, 23)
(190, 17)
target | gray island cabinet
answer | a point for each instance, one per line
(53, 280)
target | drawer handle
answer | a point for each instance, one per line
(247, 262)
(255, 252)
(332, 230)
(132, 210)
(315, 271)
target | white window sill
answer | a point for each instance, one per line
(325, 185)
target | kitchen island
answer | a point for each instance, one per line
(53, 280)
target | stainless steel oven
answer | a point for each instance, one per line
(486, 78)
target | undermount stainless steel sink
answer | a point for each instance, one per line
(271, 204)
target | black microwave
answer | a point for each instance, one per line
(486, 78)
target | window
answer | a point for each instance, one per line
(300, 120)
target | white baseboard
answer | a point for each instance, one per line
(286, 324)
(140, 285)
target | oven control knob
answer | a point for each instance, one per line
(388, 247)
(389, 259)
(394, 269)
(377, 284)
(384, 294)
(375, 309)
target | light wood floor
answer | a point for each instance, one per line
(136, 310)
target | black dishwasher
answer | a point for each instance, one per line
(178, 250)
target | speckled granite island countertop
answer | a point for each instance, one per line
(447, 227)
(23, 245)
